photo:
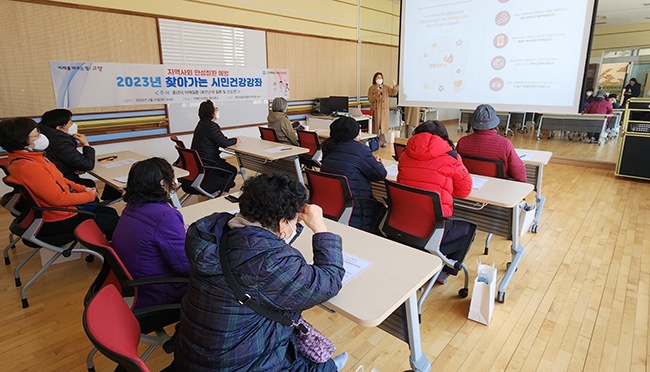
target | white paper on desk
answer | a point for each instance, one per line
(521, 156)
(122, 179)
(275, 150)
(391, 170)
(353, 266)
(118, 163)
(478, 182)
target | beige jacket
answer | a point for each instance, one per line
(378, 98)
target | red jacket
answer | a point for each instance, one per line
(429, 163)
(491, 145)
(602, 106)
(47, 184)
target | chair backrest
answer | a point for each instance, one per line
(113, 270)
(483, 166)
(413, 214)
(30, 216)
(268, 134)
(399, 149)
(332, 193)
(178, 162)
(11, 201)
(309, 140)
(113, 329)
(178, 142)
(191, 162)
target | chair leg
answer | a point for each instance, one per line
(13, 239)
(424, 294)
(487, 244)
(463, 292)
(89, 360)
(23, 291)
(155, 341)
(20, 265)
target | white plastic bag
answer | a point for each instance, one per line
(485, 286)
(526, 216)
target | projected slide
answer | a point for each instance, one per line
(512, 54)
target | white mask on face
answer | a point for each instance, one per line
(73, 129)
(380, 81)
(41, 143)
(216, 114)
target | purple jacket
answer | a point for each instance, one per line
(150, 241)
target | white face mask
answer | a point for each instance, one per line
(216, 114)
(41, 143)
(73, 129)
(380, 81)
(290, 238)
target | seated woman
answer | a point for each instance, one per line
(344, 154)
(216, 332)
(29, 167)
(430, 162)
(61, 131)
(150, 236)
(486, 142)
(279, 122)
(207, 140)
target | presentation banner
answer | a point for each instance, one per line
(99, 84)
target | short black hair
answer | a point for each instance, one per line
(56, 117)
(206, 110)
(14, 133)
(268, 198)
(143, 186)
(434, 127)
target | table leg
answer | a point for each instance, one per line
(241, 167)
(296, 161)
(538, 198)
(419, 361)
(517, 252)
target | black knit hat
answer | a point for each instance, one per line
(344, 129)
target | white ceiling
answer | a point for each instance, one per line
(622, 12)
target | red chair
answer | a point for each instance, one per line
(399, 149)
(268, 134)
(309, 140)
(484, 167)
(114, 273)
(415, 218)
(27, 226)
(114, 330)
(332, 193)
(193, 183)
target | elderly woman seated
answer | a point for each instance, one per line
(29, 167)
(150, 236)
(218, 333)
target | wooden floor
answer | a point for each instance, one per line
(580, 300)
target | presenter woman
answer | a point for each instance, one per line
(378, 96)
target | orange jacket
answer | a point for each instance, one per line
(47, 184)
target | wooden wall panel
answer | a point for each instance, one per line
(317, 67)
(31, 35)
(375, 58)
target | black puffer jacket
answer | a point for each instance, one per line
(63, 152)
(207, 140)
(355, 161)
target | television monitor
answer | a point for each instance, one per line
(338, 104)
